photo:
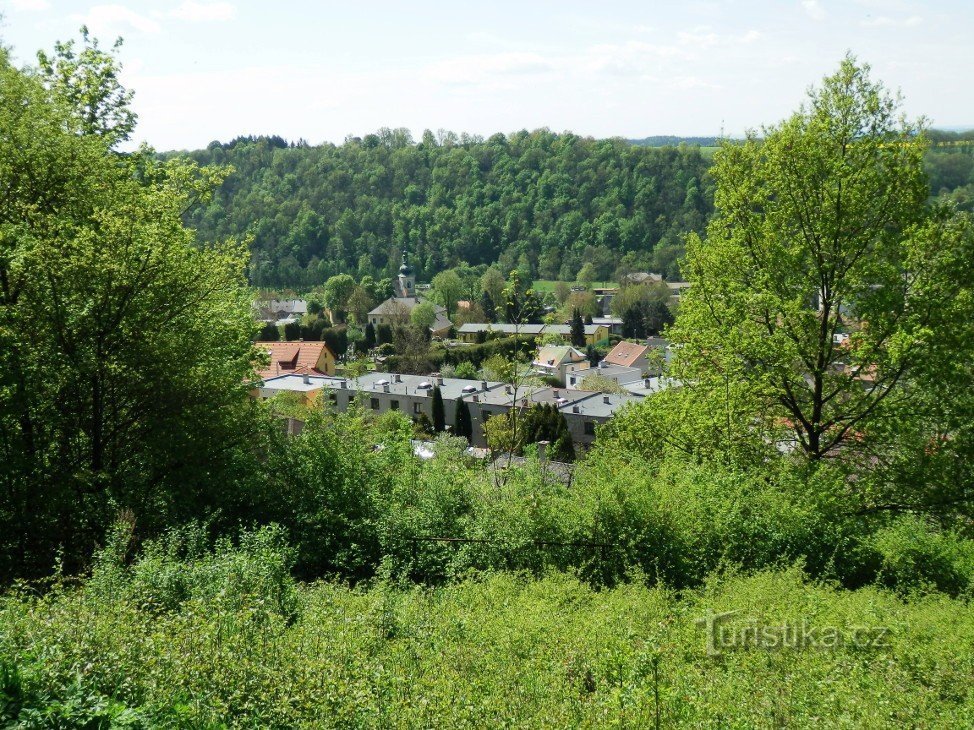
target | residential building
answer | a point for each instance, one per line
(612, 324)
(630, 355)
(472, 331)
(557, 361)
(583, 410)
(280, 311)
(585, 415)
(616, 373)
(297, 357)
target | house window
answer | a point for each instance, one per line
(417, 407)
(333, 397)
(374, 402)
(589, 428)
(394, 405)
(350, 399)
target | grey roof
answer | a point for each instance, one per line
(648, 386)
(530, 395)
(505, 328)
(402, 384)
(389, 305)
(297, 384)
(618, 373)
(595, 405)
(566, 329)
(503, 396)
(407, 304)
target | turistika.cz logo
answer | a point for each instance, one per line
(725, 632)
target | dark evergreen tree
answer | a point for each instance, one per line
(487, 304)
(369, 341)
(464, 426)
(292, 331)
(656, 317)
(439, 417)
(269, 333)
(578, 329)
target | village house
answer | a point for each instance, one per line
(412, 395)
(280, 311)
(557, 361)
(616, 373)
(646, 356)
(472, 332)
(298, 358)
(585, 415)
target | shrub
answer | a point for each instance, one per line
(915, 555)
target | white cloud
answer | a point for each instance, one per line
(107, 20)
(814, 9)
(198, 12)
(29, 5)
(883, 21)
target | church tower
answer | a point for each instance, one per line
(407, 282)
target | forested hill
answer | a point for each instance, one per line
(547, 201)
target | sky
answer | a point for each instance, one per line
(205, 70)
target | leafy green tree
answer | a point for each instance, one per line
(449, 288)
(423, 315)
(338, 292)
(826, 284)
(292, 331)
(126, 345)
(522, 305)
(360, 303)
(87, 81)
(439, 415)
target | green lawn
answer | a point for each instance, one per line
(548, 285)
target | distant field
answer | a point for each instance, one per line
(548, 285)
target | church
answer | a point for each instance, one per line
(396, 309)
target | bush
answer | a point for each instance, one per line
(915, 555)
(184, 565)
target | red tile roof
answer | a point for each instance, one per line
(293, 357)
(626, 353)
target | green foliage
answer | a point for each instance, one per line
(578, 330)
(467, 370)
(800, 254)
(125, 344)
(501, 650)
(423, 315)
(270, 332)
(439, 415)
(533, 199)
(87, 81)
(915, 554)
(461, 418)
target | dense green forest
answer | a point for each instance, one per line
(549, 202)
(170, 557)
(544, 202)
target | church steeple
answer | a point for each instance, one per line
(407, 283)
